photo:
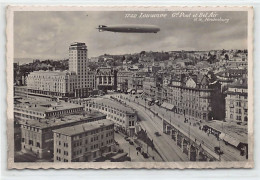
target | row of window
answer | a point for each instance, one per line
(93, 132)
(109, 109)
(31, 128)
(238, 118)
(31, 142)
(59, 159)
(66, 153)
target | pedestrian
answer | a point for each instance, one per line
(137, 153)
(153, 157)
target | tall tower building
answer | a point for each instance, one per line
(78, 63)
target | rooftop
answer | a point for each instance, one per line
(51, 73)
(45, 105)
(58, 121)
(78, 129)
(115, 104)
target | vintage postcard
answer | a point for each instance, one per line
(130, 87)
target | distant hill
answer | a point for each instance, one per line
(30, 60)
(23, 60)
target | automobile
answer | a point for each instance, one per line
(218, 150)
(131, 142)
(138, 148)
(116, 131)
(157, 134)
(145, 155)
(116, 143)
(126, 137)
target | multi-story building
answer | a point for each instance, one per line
(36, 110)
(237, 101)
(51, 83)
(106, 79)
(198, 97)
(21, 91)
(77, 82)
(78, 63)
(135, 82)
(124, 117)
(85, 142)
(227, 77)
(122, 80)
(92, 79)
(149, 86)
(37, 136)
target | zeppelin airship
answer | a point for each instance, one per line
(129, 28)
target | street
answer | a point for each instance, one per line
(164, 144)
(153, 124)
(135, 155)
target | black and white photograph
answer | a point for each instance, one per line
(130, 87)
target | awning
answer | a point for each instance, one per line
(170, 106)
(140, 91)
(167, 106)
(231, 140)
(164, 105)
(129, 90)
(149, 99)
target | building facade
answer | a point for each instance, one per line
(37, 136)
(106, 79)
(135, 82)
(78, 63)
(123, 116)
(237, 101)
(122, 80)
(197, 97)
(85, 142)
(51, 83)
(36, 110)
(149, 86)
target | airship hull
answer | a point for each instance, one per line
(129, 28)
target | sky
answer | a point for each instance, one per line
(48, 34)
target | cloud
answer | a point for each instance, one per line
(48, 34)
